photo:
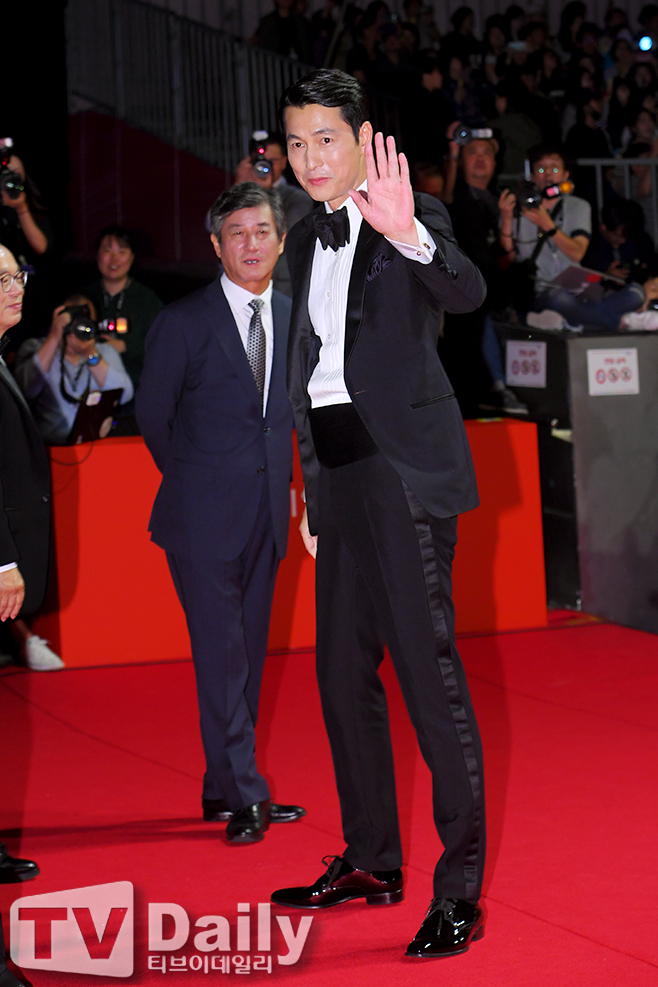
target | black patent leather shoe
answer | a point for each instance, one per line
(248, 825)
(217, 810)
(340, 883)
(449, 928)
(9, 979)
(13, 869)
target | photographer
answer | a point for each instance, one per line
(57, 373)
(265, 165)
(546, 234)
(469, 348)
(116, 295)
(23, 226)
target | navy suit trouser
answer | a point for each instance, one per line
(383, 577)
(227, 606)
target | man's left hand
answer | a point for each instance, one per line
(540, 217)
(388, 205)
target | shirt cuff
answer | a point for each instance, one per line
(10, 565)
(424, 253)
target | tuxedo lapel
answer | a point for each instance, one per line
(280, 318)
(220, 318)
(363, 256)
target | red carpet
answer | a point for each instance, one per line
(101, 783)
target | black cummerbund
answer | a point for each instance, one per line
(339, 435)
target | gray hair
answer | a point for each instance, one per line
(247, 195)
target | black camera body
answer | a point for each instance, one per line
(10, 181)
(528, 196)
(82, 326)
(259, 141)
(464, 135)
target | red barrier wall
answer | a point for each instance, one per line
(113, 601)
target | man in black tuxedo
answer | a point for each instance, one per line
(213, 410)
(24, 520)
(387, 469)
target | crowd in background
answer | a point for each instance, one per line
(588, 91)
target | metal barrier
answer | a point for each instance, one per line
(195, 87)
(621, 180)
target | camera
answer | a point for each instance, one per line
(258, 145)
(10, 181)
(464, 135)
(82, 326)
(530, 196)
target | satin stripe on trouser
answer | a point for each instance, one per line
(384, 575)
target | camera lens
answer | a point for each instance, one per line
(262, 167)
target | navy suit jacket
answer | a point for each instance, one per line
(200, 413)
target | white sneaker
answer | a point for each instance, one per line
(39, 657)
(546, 319)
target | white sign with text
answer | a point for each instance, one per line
(526, 363)
(612, 372)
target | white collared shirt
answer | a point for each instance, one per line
(327, 303)
(238, 299)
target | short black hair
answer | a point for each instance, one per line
(427, 61)
(246, 195)
(118, 233)
(459, 16)
(647, 14)
(619, 212)
(329, 87)
(540, 151)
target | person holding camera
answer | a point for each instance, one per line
(545, 232)
(469, 347)
(265, 165)
(121, 300)
(58, 373)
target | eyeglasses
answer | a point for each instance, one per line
(7, 281)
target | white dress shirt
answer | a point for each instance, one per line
(327, 303)
(238, 299)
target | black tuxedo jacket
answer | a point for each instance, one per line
(24, 493)
(199, 411)
(392, 370)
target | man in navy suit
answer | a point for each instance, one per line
(213, 410)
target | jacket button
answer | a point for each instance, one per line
(46, 498)
(266, 428)
(261, 469)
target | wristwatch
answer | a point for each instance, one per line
(93, 359)
(551, 232)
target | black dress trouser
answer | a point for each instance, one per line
(383, 576)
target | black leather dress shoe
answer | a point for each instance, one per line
(8, 979)
(248, 825)
(13, 869)
(340, 883)
(449, 928)
(217, 810)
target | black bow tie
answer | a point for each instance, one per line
(332, 229)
